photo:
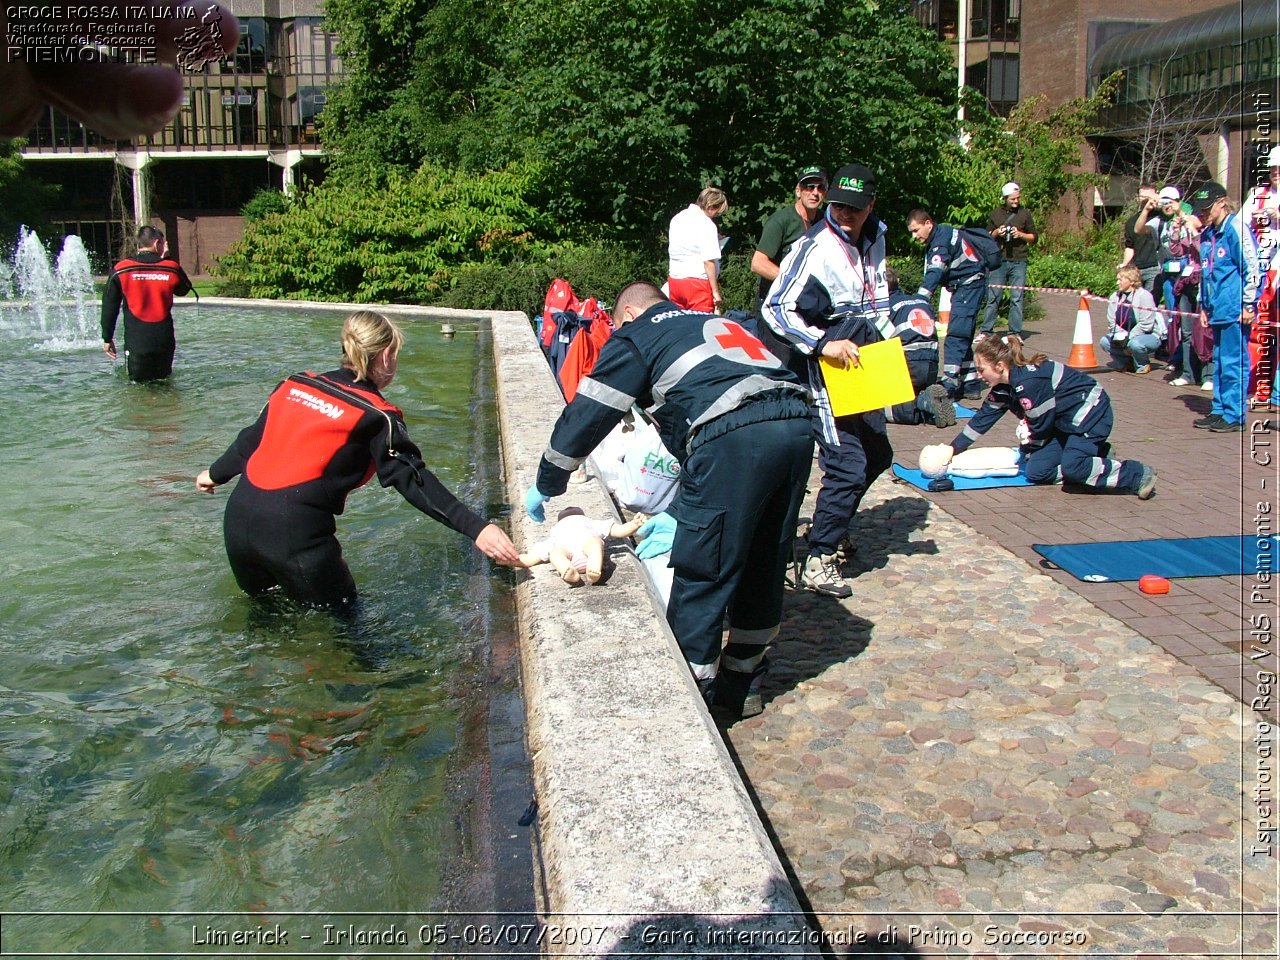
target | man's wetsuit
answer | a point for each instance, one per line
(317, 439)
(145, 284)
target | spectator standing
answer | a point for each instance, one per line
(830, 298)
(693, 253)
(1228, 298)
(950, 259)
(780, 232)
(1262, 213)
(786, 225)
(1194, 367)
(1012, 226)
(1140, 245)
(1161, 221)
(145, 285)
(1134, 325)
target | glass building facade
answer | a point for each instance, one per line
(247, 123)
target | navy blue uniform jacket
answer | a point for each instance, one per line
(688, 371)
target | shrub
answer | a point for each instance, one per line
(398, 242)
(264, 203)
(737, 283)
(597, 269)
(1071, 273)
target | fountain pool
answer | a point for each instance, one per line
(169, 745)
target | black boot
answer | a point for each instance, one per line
(740, 694)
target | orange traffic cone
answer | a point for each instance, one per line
(1082, 354)
(944, 313)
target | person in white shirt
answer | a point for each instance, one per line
(693, 253)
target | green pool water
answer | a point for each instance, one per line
(169, 745)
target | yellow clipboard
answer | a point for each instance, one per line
(880, 380)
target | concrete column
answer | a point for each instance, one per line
(962, 37)
(288, 160)
(138, 161)
(1223, 167)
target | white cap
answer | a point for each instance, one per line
(1170, 193)
(1009, 189)
(1273, 158)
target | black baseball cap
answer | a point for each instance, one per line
(854, 186)
(811, 173)
(1206, 195)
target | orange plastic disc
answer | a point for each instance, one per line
(1153, 584)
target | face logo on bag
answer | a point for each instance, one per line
(732, 342)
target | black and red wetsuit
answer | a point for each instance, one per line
(145, 284)
(318, 438)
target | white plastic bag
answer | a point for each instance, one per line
(637, 468)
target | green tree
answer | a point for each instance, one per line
(417, 73)
(1042, 149)
(631, 106)
(635, 104)
(23, 199)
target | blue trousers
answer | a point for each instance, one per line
(740, 494)
(848, 470)
(1140, 346)
(923, 373)
(1230, 371)
(1014, 274)
(1077, 458)
(958, 368)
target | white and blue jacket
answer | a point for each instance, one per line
(830, 288)
(1230, 277)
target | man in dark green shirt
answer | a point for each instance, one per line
(780, 231)
(784, 228)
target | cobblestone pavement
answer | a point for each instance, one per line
(970, 753)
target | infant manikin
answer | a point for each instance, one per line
(939, 460)
(575, 545)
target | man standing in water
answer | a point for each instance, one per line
(145, 284)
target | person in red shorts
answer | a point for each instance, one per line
(693, 254)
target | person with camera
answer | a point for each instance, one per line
(1011, 225)
(1140, 243)
(1164, 219)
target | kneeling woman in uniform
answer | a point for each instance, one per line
(1066, 419)
(318, 438)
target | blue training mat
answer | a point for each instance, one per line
(1190, 557)
(964, 413)
(918, 479)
